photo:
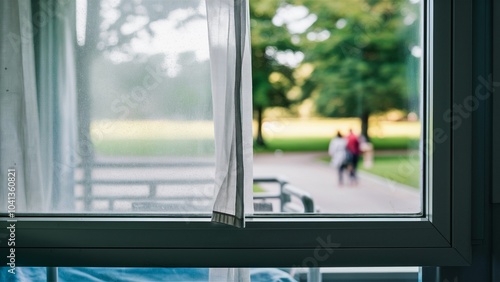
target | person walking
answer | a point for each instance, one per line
(338, 151)
(353, 151)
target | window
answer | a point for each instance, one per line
(438, 236)
(151, 142)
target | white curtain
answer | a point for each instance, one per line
(37, 112)
(56, 83)
(229, 36)
(19, 129)
(228, 25)
(229, 275)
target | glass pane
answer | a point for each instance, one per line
(344, 79)
(130, 129)
(125, 107)
(146, 99)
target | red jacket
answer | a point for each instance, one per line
(353, 144)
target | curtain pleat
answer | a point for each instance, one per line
(19, 128)
(56, 81)
(228, 25)
(38, 104)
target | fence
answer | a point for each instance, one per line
(291, 198)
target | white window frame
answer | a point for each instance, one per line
(440, 237)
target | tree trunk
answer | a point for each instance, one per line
(364, 125)
(260, 139)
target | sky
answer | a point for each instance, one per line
(170, 38)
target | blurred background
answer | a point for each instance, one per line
(319, 67)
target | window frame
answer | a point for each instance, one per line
(440, 237)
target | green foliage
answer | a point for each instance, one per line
(267, 41)
(361, 57)
(362, 66)
(271, 80)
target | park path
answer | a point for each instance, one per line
(303, 170)
(372, 194)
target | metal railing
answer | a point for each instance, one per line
(151, 201)
(285, 195)
(152, 185)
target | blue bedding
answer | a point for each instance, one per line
(96, 274)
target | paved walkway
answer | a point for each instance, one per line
(372, 194)
(303, 170)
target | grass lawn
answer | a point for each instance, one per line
(310, 144)
(306, 135)
(173, 138)
(401, 169)
(195, 147)
(156, 138)
(154, 147)
(397, 168)
(258, 189)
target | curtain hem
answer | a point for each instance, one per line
(228, 219)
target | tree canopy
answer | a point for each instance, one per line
(363, 66)
(271, 79)
(364, 55)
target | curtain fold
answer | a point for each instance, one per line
(56, 83)
(19, 128)
(38, 104)
(228, 25)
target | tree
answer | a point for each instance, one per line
(112, 27)
(105, 32)
(272, 79)
(360, 51)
